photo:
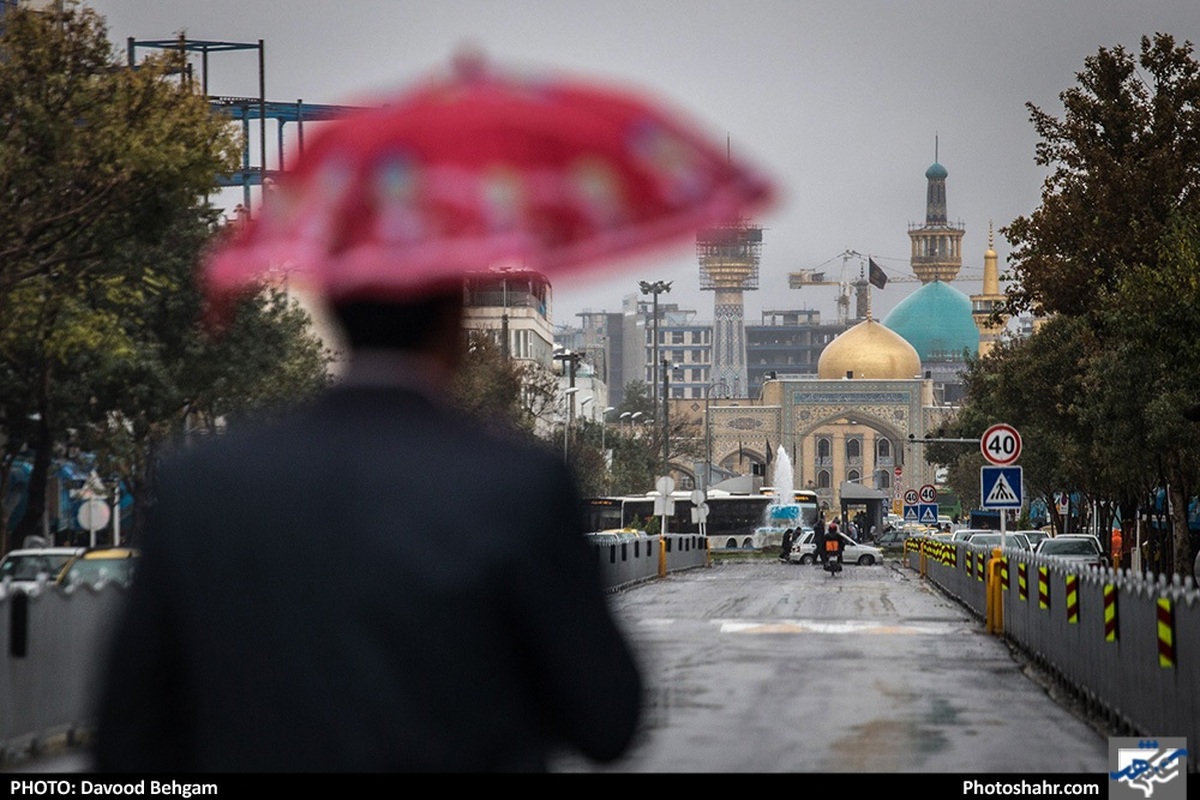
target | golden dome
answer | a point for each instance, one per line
(870, 350)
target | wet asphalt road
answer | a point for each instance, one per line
(760, 666)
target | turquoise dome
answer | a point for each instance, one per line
(936, 320)
(936, 171)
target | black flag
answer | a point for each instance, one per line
(877, 278)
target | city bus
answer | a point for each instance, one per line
(734, 520)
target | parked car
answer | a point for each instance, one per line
(98, 567)
(804, 551)
(1078, 549)
(25, 569)
(893, 537)
(1034, 536)
(992, 539)
(963, 534)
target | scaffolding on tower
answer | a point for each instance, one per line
(729, 256)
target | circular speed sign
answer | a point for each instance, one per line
(911, 497)
(1001, 444)
(928, 493)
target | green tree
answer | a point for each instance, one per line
(1123, 162)
(92, 155)
(636, 398)
(501, 391)
(1109, 258)
(1146, 375)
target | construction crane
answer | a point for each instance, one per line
(814, 277)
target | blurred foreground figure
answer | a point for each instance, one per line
(377, 584)
(317, 596)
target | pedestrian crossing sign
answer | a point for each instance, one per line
(911, 513)
(928, 513)
(1000, 487)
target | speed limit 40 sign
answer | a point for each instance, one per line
(1001, 444)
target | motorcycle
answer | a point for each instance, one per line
(833, 557)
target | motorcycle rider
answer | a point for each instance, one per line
(830, 548)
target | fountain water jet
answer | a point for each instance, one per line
(783, 512)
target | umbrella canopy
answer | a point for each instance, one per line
(479, 169)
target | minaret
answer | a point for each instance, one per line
(729, 267)
(936, 245)
(984, 305)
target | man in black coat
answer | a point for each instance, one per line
(315, 595)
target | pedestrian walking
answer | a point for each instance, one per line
(311, 595)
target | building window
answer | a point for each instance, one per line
(823, 479)
(883, 448)
(823, 448)
(853, 448)
(853, 476)
(883, 479)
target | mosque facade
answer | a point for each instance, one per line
(881, 387)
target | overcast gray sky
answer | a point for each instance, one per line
(840, 101)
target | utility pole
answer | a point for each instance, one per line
(570, 360)
(656, 288)
(666, 379)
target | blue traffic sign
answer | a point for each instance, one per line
(928, 513)
(911, 514)
(1000, 487)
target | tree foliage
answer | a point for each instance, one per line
(501, 391)
(1123, 162)
(104, 175)
(1110, 259)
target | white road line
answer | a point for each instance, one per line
(840, 626)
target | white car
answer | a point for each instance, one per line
(1074, 549)
(992, 539)
(804, 551)
(30, 568)
(963, 534)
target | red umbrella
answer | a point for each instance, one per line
(479, 169)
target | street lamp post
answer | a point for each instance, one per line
(570, 361)
(708, 430)
(655, 288)
(569, 402)
(603, 430)
(666, 414)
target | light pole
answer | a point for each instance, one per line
(708, 429)
(583, 404)
(656, 288)
(666, 429)
(570, 361)
(633, 419)
(603, 430)
(569, 402)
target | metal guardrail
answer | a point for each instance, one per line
(1126, 644)
(627, 558)
(53, 640)
(52, 643)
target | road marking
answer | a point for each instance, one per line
(841, 626)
